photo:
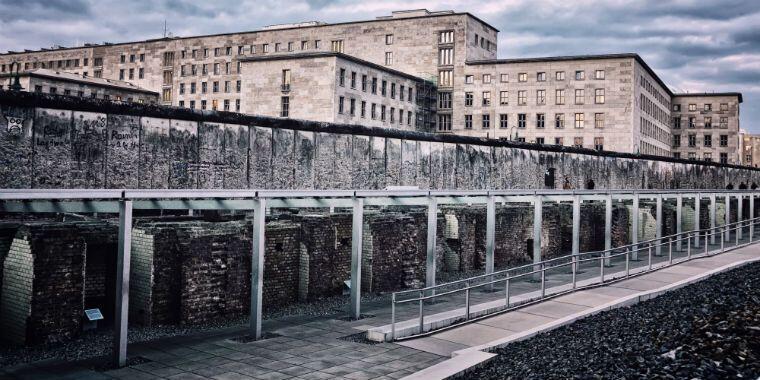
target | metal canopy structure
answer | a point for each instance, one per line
(124, 201)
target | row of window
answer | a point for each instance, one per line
(654, 131)
(707, 122)
(57, 64)
(647, 148)
(445, 98)
(81, 93)
(129, 73)
(707, 156)
(579, 121)
(652, 109)
(373, 111)
(706, 107)
(482, 42)
(707, 140)
(214, 104)
(369, 84)
(204, 87)
(651, 89)
(218, 69)
(540, 77)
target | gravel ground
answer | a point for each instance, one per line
(99, 343)
(708, 330)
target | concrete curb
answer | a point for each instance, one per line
(466, 360)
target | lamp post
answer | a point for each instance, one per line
(510, 133)
(14, 83)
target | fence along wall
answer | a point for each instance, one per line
(66, 142)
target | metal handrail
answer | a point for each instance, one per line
(574, 260)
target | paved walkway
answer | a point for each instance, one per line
(465, 342)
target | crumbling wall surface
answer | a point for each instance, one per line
(398, 251)
(101, 238)
(327, 241)
(43, 285)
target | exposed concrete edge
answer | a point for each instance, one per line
(452, 368)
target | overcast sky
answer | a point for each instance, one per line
(693, 45)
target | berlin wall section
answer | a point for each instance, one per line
(84, 143)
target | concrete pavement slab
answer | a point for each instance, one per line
(472, 334)
(553, 309)
(433, 345)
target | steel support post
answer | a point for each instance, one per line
(658, 226)
(727, 236)
(635, 227)
(713, 218)
(432, 228)
(576, 229)
(490, 237)
(751, 216)
(607, 228)
(739, 217)
(697, 211)
(538, 214)
(679, 227)
(257, 266)
(356, 258)
(122, 284)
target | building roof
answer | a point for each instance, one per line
(75, 78)
(269, 28)
(578, 58)
(705, 94)
(312, 55)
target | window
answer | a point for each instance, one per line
(708, 156)
(265, 48)
(353, 79)
(237, 86)
(382, 112)
(192, 88)
(227, 87)
(578, 142)
(504, 78)
(724, 106)
(559, 120)
(216, 69)
(708, 140)
(486, 98)
(401, 93)
(676, 141)
(723, 140)
(352, 107)
(692, 140)
(708, 122)
(131, 74)
(522, 97)
(504, 98)
(217, 52)
(522, 120)
(388, 58)
(337, 46)
(227, 68)
(168, 58)
(540, 120)
(204, 69)
(540, 140)
(724, 122)
(540, 97)
(444, 78)
(444, 122)
(467, 121)
(285, 106)
(692, 156)
(469, 79)
(677, 155)
(468, 99)
(444, 100)
(290, 46)
(579, 120)
(167, 95)
(559, 75)
(503, 121)
(363, 109)
(599, 143)
(277, 46)
(374, 85)
(410, 94)
(226, 106)
(708, 107)
(599, 74)
(393, 91)
(317, 44)
(409, 118)
(486, 121)
(580, 75)
(364, 82)
(121, 74)
(389, 39)
(181, 88)
(446, 37)
(724, 158)
(192, 104)
(486, 78)
(599, 120)
(579, 96)
(215, 86)
(340, 104)
(559, 141)
(541, 76)
(522, 77)
(204, 87)
(559, 97)
(304, 45)
(342, 77)
(122, 59)
(373, 111)
(383, 87)
(692, 122)
(677, 107)
(599, 96)
(677, 122)
(37, 88)
(692, 107)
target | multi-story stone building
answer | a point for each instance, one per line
(750, 149)
(64, 83)
(706, 127)
(612, 102)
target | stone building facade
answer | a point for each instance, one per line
(750, 149)
(70, 84)
(706, 127)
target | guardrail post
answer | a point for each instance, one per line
(467, 301)
(739, 217)
(122, 284)
(393, 317)
(627, 263)
(697, 216)
(538, 214)
(422, 311)
(607, 228)
(635, 227)
(356, 257)
(576, 229)
(432, 229)
(679, 227)
(601, 270)
(543, 280)
(257, 266)
(490, 237)
(658, 226)
(727, 235)
(650, 256)
(688, 246)
(506, 291)
(751, 217)
(713, 217)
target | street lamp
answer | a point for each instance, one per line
(13, 82)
